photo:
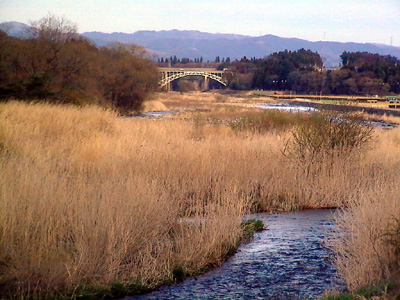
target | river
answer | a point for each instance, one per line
(289, 260)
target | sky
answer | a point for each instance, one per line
(361, 21)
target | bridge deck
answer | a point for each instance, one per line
(205, 70)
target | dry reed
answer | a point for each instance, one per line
(367, 246)
(85, 200)
(153, 105)
(89, 198)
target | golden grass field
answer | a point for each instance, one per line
(89, 199)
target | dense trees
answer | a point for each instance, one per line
(126, 77)
(55, 64)
(289, 70)
(372, 73)
(302, 71)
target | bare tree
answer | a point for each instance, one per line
(54, 29)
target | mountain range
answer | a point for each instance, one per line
(192, 44)
(15, 29)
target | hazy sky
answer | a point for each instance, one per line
(376, 21)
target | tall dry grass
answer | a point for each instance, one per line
(368, 243)
(86, 200)
(91, 199)
(153, 105)
(196, 100)
(366, 183)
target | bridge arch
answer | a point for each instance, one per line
(168, 75)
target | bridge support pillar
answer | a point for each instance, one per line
(168, 86)
(206, 83)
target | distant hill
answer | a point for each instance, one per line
(15, 29)
(146, 36)
(191, 44)
(195, 44)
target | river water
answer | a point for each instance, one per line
(286, 107)
(289, 260)
(306, 108)
(274, 106)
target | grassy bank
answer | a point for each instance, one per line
(90, 200)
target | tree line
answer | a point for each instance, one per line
(57, 65)
(174, 60)
(302, 71)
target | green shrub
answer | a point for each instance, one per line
(179, 273)
(251, 226)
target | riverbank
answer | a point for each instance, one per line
(93, 201)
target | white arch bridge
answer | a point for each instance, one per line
(167, 75)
